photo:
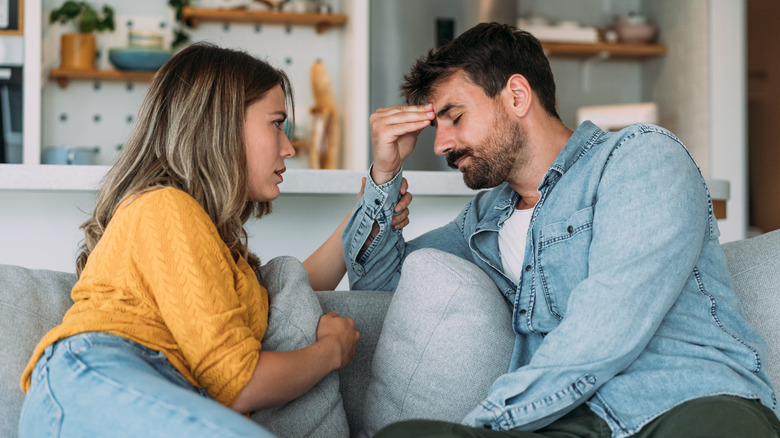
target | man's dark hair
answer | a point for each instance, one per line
(489, 53)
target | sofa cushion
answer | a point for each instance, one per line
(31, 303)
(293, 318)
(368, 308)
(755, 272)
(446, 337)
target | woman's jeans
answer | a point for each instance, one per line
(98, 384)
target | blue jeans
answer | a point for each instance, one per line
(98, 384)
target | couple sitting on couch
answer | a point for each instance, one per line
(624, 319)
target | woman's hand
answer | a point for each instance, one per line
(401, 210)
(338, 333)
(401, 217)
(282, 376)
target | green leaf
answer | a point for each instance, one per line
(84, 16)
(89, 20)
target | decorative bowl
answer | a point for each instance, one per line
(138, 58)
(636, 33)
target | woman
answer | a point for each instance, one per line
(168, 314)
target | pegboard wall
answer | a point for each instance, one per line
(101, 114)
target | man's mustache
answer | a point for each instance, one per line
(454, 156)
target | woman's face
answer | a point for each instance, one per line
(267, 146)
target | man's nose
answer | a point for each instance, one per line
(443, 142)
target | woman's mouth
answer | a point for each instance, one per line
(280, 172)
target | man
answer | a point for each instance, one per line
(604, 243)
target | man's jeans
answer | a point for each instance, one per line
(710, 417)
(98, 384)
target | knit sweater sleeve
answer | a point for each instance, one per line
(198, 288)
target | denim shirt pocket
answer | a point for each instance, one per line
(563, 258)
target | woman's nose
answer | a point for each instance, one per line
(288, 151)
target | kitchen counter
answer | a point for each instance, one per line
(296, 181)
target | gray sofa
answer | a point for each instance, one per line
(33, 301)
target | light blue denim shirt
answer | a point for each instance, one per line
(625, 302)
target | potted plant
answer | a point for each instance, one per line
(77, 50)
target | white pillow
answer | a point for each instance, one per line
(446, 337)
(293, 317)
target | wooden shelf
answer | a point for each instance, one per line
(608, 50)
(63, 75)
(321, 22)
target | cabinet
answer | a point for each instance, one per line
(318, 33)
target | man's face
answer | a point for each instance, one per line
(475, 133)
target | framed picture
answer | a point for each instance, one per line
(11, 17)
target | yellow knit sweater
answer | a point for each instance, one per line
(162, 276)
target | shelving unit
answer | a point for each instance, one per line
(32, 175)
(322, 22)
(610, 50)
(63, 75)
(554, 50)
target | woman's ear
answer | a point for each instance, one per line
(518, 95)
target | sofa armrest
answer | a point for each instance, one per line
(31, 303)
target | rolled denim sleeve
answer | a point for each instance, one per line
(650, 223)
(378, 267)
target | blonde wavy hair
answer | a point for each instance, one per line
(190, 135)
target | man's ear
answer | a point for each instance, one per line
(518, 95)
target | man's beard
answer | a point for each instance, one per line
(500, 153)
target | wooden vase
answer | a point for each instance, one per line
(77, 51)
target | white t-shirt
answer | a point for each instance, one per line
(511, 242)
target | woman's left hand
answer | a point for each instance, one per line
(401, 217)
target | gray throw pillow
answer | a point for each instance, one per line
(293, 317)
(755, 271)
(446, 337)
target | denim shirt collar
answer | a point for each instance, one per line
(581, 140)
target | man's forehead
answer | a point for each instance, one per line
(452, 91)
(447, 89)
